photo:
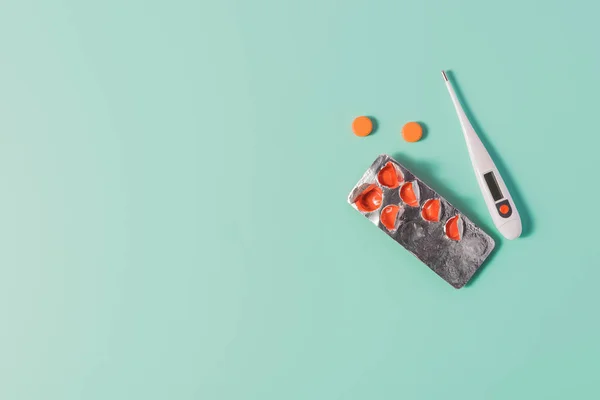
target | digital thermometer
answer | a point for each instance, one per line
(497, 198)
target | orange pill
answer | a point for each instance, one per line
(431, 210)
(453, 228)
(389, 176)
(409, 193)
(412, 132)
(362, 126)
(370, 199)
(389, 217)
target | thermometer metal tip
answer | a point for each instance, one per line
(444, 75)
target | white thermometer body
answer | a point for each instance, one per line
(497, 198)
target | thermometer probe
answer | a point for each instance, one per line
(497, 198)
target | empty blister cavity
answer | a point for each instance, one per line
(454, 228)
(432, 210)
(390, 176)
(390, 217)
(409, 193)
(474, 248)
(370, 199)
(412, 232)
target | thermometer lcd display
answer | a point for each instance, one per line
(490, 179)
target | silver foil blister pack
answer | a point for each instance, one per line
(422, 221)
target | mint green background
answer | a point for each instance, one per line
(173, 213)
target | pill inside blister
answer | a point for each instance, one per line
(370, 199)
(390, 176)
(409, 193)
(431, 210)
(454, 228)
(390, 217)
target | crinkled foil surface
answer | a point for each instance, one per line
(455, 261)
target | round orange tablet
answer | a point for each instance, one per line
(362, 126)
(412, 132)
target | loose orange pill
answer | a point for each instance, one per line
(362, 126)
(412, 132)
